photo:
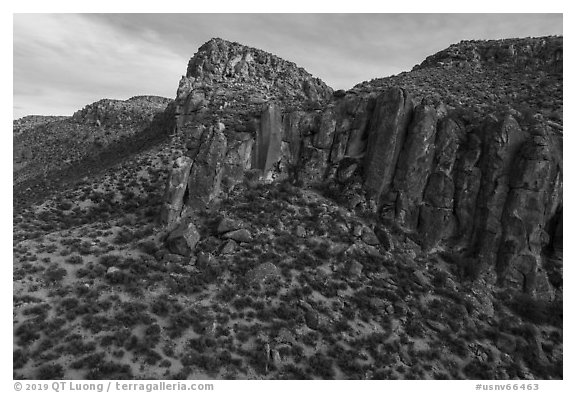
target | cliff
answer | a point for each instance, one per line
(481, 180)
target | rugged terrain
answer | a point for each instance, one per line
(50, 150)
(264, 226)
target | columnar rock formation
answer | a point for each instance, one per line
(490, 189)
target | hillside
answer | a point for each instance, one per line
(50, 152)
(263, 226)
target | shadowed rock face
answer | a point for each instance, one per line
(388, 127)
(533, 200)
(491, 189)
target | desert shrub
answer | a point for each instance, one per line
(149, 247)
(538, 311)
(466, 268)
(84, 248)
(39, 310)
(124, 236)
(110, 370)
(414, 328)
(51, 371)
(477, 369)
(439, 278)
(19, 358)
(54, 274)
(110, 260)
(65, 205)
(321, 365)
(74, 260)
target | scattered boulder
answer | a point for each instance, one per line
(175, 258)
(506, 343)
(240, 235)
(300, 231)
(183, 239)
(357, 231)
(369, 237)
(263, 273)
(354, 268)
(228, 225)
(312, 319)
(112, 270)
(205, 259)
(405, 356)
(276, 359)
(438, 326)
(421, 278)
(384, 238)
(229, 247)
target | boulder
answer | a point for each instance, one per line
(228, 225)
(384, 238)
(312, 319)
(239, 235)
(183, 239)
(206, 259)
(263, 273)
(354, 268)
(112, 270)
(229, 247)
(369, 237)
(300, 231)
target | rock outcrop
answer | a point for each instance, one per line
(483, 183)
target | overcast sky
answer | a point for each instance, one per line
(64, 61)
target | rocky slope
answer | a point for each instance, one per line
(32, 121)
(483, 181)
(64, 148)
(408, 228)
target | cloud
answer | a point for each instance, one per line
(63, 62)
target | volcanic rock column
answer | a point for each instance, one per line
(206, 171)
(269, 139)
(502, 140)
(466, 186)
(175, 191)
(530, 205)
(436, 220)
(388, 126)
(414, 165)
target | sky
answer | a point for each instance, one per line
(62, 62)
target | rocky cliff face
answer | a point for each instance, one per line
(484, 181)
